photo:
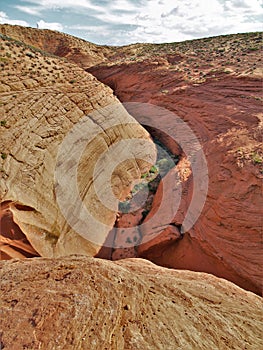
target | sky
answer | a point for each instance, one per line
(122, 22)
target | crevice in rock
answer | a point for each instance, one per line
(19, 206)
(13, 242)
(134, 210)
(165, 161)
(179, 227)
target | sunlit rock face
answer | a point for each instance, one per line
(66, 155)
(213, 85)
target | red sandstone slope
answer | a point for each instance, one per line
(215, 86)
(84, 53)
(224, 110)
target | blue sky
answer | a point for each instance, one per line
(121, 22)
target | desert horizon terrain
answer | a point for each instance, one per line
(131, 192)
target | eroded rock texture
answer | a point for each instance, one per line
(219, 96)
(214, 85)
(43, 99)
(93, 304)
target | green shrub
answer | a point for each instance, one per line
(153, 169)
(257, 158)
(128, 240)
(3, 156)
(143, 176)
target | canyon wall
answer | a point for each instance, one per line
(58, 125)
(223, 109)
(213, 85)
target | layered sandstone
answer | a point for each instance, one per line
(214, 85)
(65, 155)
(86, 303)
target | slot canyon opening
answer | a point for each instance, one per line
(170, 250)
(14, 243)
(186, 253)
(165, 161)
(133, 211)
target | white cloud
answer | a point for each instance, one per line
(4, 19)
(74, 5)
(49, 25)
(35, 11)
(165, 21)
(253, 6)
(126, 21)
(122, 5)
(88, 27)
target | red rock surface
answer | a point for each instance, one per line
(215, 86)
(83, 303)
(225, 113)
(74, 49)
(13, 242)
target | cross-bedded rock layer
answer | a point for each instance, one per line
(214, 85)
(44, 99)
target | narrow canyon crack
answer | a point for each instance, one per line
(125, 237)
